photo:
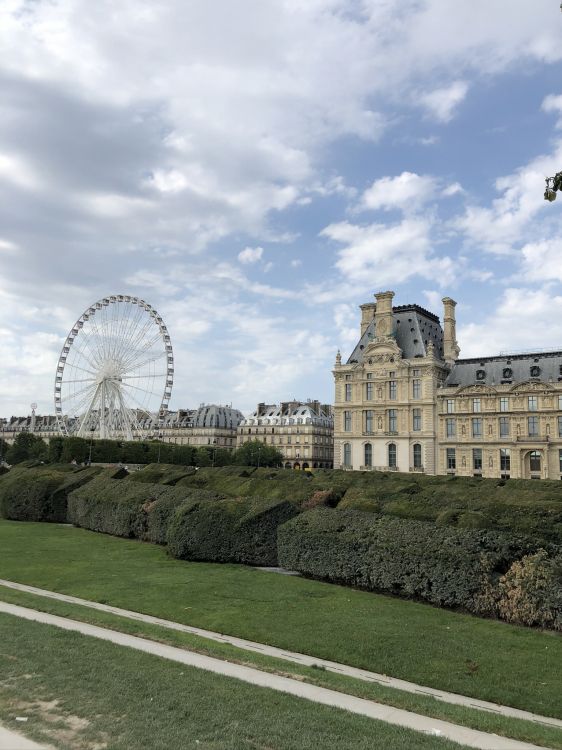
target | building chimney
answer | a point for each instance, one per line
(384, 322)
(451, 349)
(367, 315)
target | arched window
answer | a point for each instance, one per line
(417, 456)
(347, 454)
(392, 454)
(368, 454)
(535, 461)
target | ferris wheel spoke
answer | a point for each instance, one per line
(138, 365)
(130, 325)
(142, 352)
(136, 388)
(138, 337)
(140, 405)
(83, 369)
(84, 380)
(131, 330)
(75, 394)
(154, 375)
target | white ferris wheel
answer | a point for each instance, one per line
(115, 372)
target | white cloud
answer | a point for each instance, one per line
(525, 319)
(454, 189)
(250, 255)
(296, 262)
(513, 217)
(442, 103)
(542, 261)
(553, 103)
(407, 192)
(388, 254)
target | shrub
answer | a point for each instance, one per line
(233, 530)
(123, 507)
(530, 593)
(440, 564)
(40, 493)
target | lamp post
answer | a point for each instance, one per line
(553, 185)
(214, 452)
(92, 430)
(259, 454)
(160, 435)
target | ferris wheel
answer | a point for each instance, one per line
(115, 372)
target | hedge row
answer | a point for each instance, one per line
(230, 530)
(441, 565)
(122, 507)
(40, 493)
(197, 524)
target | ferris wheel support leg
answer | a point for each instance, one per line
(82, 429)
(125, 417)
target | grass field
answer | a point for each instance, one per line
(526, 731)
(80, 694)
(451, 651)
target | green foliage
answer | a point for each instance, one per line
(242, 530)
(40, 494)
(256, 453)
(128, 508)
(439, 564)
(26, 446)
(530, 593)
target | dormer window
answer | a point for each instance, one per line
(535, 371)
(507, 372)
(480, 374)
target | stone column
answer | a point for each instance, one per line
(384, 322)
(451, 349)
(367, 315)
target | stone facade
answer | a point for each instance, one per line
(210, 425)
(404, 401)
(385, 394)
(302, 431)
(507, 422)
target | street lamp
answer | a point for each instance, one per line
(160, 435)
(214, 452)
(553, 184)
(92, 430)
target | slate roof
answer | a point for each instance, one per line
(542, 367)
(415, 328)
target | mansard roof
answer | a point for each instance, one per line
(539, 367)
(415, 328)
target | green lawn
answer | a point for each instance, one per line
(526, 731)
(80, 693)
(487, 659)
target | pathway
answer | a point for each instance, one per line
(462, 735)
(13, 741)
(304, 659)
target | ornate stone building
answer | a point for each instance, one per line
(210, 424)
(302, 431)
(405, 402)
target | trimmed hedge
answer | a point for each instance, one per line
(439, 564)
(130, 509)
(40, 493)
(241, 530)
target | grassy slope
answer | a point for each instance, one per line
(460, 653)
(526, 731)
(102, 693)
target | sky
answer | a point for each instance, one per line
(257, 169)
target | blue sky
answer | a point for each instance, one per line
(256, 170)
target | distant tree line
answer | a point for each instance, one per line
(28, 446)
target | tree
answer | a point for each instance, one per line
(26, 446)
(256, 453)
